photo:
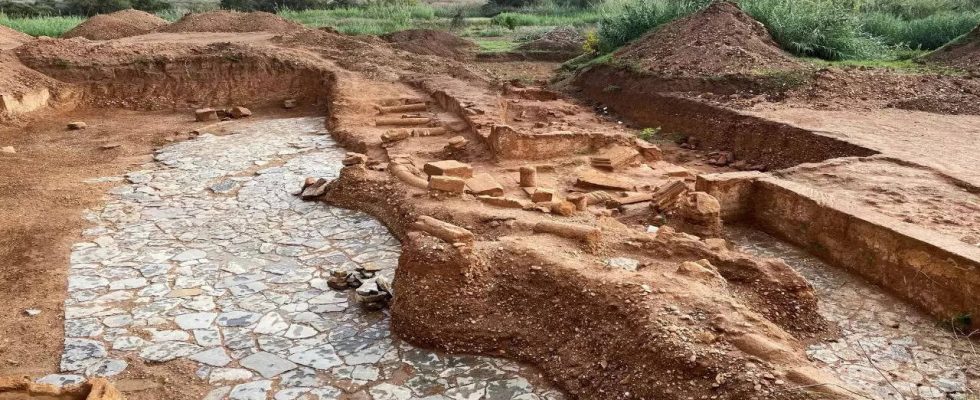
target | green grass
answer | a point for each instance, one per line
(370, 20)
(52, 26)
(495, 46)
(926, 33)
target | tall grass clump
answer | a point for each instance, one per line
(815, 28)
(52, 26)
(376, 19)
(624, 21)
(927, 33)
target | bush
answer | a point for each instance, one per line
(89, 8)
(274, 5)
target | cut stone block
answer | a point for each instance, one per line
(448, 167)
(450, 184)
(484, 184)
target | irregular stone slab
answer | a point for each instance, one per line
(300, 331)
(229, 375)
(266, 364)
(61, 379)
(257, 390)
(238, 318)
(167, 351)
(80, 354)
(106, 368)
(387, 391)
(322, 357)
(271, 323)
(216, 357)
(189, 255)
(195, 321)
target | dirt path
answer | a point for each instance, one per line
(206, 256)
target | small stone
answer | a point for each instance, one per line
(271, 323)
(300, 331)
(238, 318)
(484, 184)
(289, 104)
(8, 150)
(106, 368)
(32, 312)
(628, 264)
(189, 255)
(77, 126)
(229, 375)
(205, 114)
(61, 379)
(239, 112)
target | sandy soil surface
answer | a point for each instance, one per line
(947, 143)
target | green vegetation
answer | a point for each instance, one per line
(41, 26)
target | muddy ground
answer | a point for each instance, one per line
(631, 293)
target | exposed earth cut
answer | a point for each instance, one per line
(236, 207)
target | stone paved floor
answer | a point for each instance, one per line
(206, 255)
(889, 349)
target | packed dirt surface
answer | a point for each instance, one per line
(913, 136)
(432, 42)
(915, 195)
(184, 259)
(10, 38)
(964, 53)
(232, 21)
(719, 40)
(117, 25)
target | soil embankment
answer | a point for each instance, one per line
(117, 25)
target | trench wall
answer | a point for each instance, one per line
(647, 101)
(195, 82)
(939, 274)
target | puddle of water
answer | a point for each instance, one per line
(888, 348)
(206, 255)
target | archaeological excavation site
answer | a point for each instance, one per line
(236, 206)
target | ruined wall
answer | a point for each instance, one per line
(647, 102)
(937, 273)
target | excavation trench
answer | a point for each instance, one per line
(205, 256)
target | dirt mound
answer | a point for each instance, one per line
(721, 39)
(559, 40)
(232, 21)
(117, 25)
(23, 89)
(432, 42)
(10, 38)
(961, 53)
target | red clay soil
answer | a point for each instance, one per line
(232, 21)
(432, 42)
(117, 25)
(10, 38)
(719, 40)
(962, 53)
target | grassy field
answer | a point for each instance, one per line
(825, 29)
